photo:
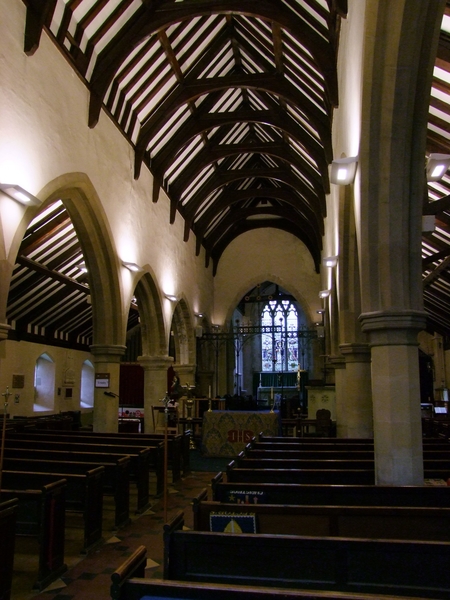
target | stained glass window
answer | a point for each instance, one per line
(279, 349)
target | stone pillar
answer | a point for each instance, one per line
(106, 408)
(186, 373)
(358, 422)
(396, 395)
(4, 328)
(338, 365)
(206, 381)
(155, 384)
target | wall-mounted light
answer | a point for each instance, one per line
(132, 266)
(324, 293)
(437, 165)
(19, 194)
(343, 170)
(199, 315)
(320, 312)
(330, 261)
(171, 297)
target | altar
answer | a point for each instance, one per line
(227, 432)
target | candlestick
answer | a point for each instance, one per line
(209, 392)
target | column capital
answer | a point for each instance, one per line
(4, 329)
(355, 352)
(336, 361)
(155, 363)
(393, 327)
(109, 353)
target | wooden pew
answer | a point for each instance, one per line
(414, 568)
(257, 452)
(244, 462)
(120, 478)
(41, 514)
(436, 462)
(374, 522)
(139, 459)
(320, 475)
(129, 583)
(8, 516)
(84, 494)
(178, 447)
(335, 495)
(116, 479)
(282, 444)
(317, 441)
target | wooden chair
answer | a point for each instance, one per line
(159, 419)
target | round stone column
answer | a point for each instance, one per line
(155, 384)
(106, 408)
(396, 395)
(358, 422)
(4, 328)
(337, 363)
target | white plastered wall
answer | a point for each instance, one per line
(265, 255)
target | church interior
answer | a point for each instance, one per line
(222, 219)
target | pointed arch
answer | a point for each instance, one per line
(151, 317)
(183, 334)
(81, 200)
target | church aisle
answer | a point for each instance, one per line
(88, 577)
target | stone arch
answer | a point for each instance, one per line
(154, 338)
(81, 200)
(252, 282)
(183, 333)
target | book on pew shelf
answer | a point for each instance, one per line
(227, 522)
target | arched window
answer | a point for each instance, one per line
(87, 385)
(44, 383)
(280, 348)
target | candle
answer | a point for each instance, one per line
(271, 393)
(209, 392)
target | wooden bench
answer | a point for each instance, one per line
(177, 445)
(283, 444)
(338, 454)
(140, 459)
(41, 514)
(8, 516)
(434, 468)
(244, 462)
(129, 583)
(320, 475)
(335, 495)
(375, 522)
(83, 494)
(116, 479)
(316, 441)
(414, 568)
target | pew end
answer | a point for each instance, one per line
(134, 566)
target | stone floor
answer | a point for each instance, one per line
(88, 577)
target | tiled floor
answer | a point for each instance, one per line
(88, 577)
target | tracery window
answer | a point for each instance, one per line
(280, 348)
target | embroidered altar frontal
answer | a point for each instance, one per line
(227, 432)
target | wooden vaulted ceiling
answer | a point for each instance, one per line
(229, 105)
(436, 244)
